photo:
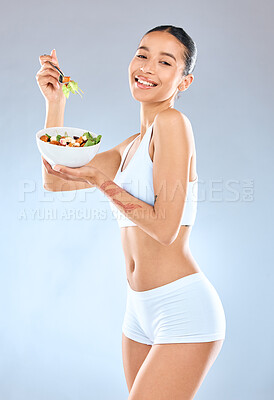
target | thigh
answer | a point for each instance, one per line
(174, 371)
(134, 354)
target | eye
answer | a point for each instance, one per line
(141, 56)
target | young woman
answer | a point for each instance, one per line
(174, 324)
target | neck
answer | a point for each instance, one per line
(148, 112)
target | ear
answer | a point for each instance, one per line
(186, 82)
(189, 80)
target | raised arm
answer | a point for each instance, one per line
(108, 161)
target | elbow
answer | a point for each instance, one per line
(48, 188)
(167, 230)
(167, 242)
(167, 239)
(164, 243)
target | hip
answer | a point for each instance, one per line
(188, 309)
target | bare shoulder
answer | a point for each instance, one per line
(173, 116)
(176, 123)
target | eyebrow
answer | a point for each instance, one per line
(162, 52)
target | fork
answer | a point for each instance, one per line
(62, 76)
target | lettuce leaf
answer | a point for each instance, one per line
(92, 141)
(71, 87)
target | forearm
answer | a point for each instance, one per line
(141, 213)
(55, 114)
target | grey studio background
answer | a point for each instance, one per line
(62, 275)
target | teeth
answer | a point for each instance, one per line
(145, 82)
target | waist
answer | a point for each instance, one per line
(149, 273)
(140, 249)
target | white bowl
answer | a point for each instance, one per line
(65, 155)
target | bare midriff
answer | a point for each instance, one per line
(149, 264)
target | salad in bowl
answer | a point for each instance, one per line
(72, 147)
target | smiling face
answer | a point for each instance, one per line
(158, 60)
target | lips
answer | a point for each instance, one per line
(143, 78)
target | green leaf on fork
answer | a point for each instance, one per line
(71, 87)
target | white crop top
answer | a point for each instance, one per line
(137, 179)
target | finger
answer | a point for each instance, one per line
(45, 57)
(47, 164)
(45, 80)
(62, 175)
(51, 171)
(49, 64)
(49, 71)
(48, 167)
(67, 177)
(54, 57)
(67, 170)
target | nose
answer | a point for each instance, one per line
(148, 67)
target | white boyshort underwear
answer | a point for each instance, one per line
(187, 310)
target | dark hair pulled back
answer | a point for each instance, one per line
(190, 48)
(190, 51)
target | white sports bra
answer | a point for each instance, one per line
(137, 179)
